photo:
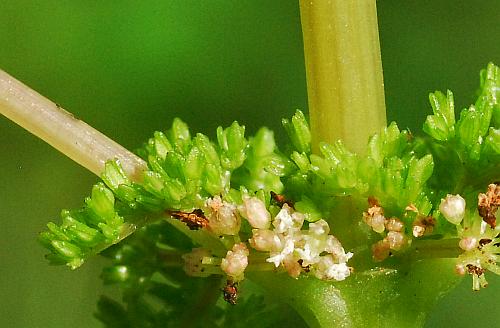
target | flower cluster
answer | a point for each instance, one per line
(283, 237)
(313, 250)
(395, 238)
(480, 239)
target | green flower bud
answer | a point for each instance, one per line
(102, 202)
(66, 249)
(113, 175)
(179, 136)
(213, 182)
(161, 145)
(298, 132)
(440, 126)
(207, 148)
(193, 167)
(233, 145)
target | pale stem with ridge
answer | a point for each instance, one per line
(345, 85)
(71, 136)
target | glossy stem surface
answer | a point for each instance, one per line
(344, 71)
(71, 136)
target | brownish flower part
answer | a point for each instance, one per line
(394, 224)
(411, 208)
(230, 292)
(381, 250)
(374, 216)
(280, 200)
(472, 269)
(372, 201)
(423, 225)
(306, 268)
(460, 269)
(396, 240)
(488, 204)
(194, 220)
(484, 241)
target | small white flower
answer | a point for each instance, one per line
(327, 269)
(309, 254)
(374, 217)
(222, 217)
(394, 224)
(278, 257)
(298, 220)
(236, 261)
(254, 210)
(453, 208)
(265, 240)
(283, 220)
(468, 243)
(319, 227)
(396, 240)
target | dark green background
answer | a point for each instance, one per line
(129, 67)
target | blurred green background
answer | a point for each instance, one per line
(129, 67)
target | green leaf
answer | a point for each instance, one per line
(307, 206)
(493, 141)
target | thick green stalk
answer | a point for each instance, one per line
(344, 71)
(346, 101)
(374, 298)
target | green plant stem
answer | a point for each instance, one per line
(71, 136)
(344, 71)
(444, 248)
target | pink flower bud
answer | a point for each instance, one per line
(236, 261)
(254, 210)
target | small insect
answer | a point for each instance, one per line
(281, 200)
(194, 220)
(230, 292)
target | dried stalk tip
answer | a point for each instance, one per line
(423, 225)
(194, 220)
(488, 204)
(374, 216)
(280, 200)
(230, 292)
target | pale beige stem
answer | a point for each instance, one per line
(344, 71)
(71, 136)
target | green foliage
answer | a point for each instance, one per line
(84, 231)
(156, 292)
(406, 175)
(183, 172)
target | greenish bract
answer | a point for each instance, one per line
(222, 210)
